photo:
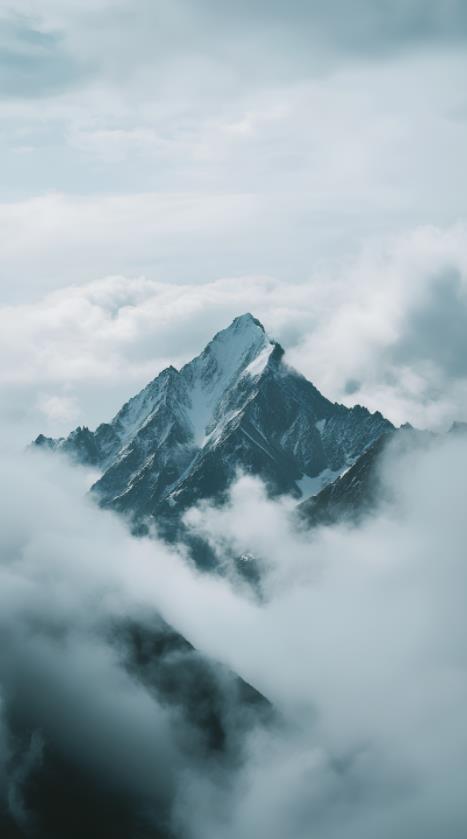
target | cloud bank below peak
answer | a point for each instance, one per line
(372, 706)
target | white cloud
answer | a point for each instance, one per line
(385, 330)
(361, 640)
(59, 408)
(360, 643)
(68, 595)
(188, 163)
(394, 336)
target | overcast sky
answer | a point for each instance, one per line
(315, 147)
(167, 165)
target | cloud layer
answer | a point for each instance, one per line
(385, 330)
(90, 732)
(359, 641)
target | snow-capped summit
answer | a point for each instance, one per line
(209, 377)
(235, 406)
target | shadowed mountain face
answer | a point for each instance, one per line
(58, 790)
(237, 406)
(353, 495)
(362, 488)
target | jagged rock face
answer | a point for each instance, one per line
(361, 489)
(351, 496)
(237, 406)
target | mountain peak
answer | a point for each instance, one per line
(244, 329)
(211, 375)
(233, 347)
(234, 406)
(246, 321)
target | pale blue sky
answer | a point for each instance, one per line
(331, 122)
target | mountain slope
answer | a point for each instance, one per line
(351, 496)
(237, 405)
(362, 488)
(67, 793)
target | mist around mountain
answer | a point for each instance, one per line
(315, 686)
(142, 698)
(107, 710)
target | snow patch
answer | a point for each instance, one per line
(311, 486)
(200, 412)
(256, 367)
(209, 376)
